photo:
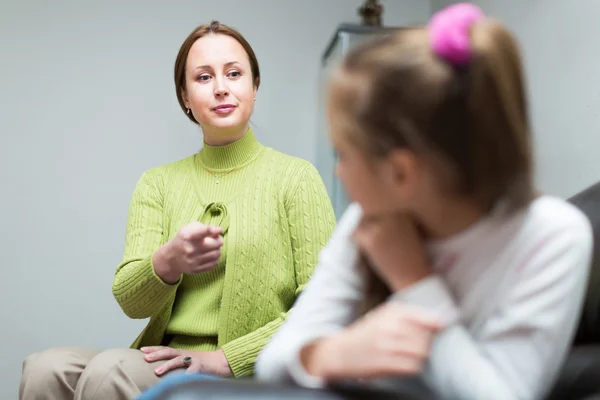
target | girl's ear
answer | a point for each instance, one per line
(403, 173)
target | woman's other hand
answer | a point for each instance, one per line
(210, 362)
(196, 248)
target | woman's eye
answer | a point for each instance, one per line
(203, 78)
(234, 74)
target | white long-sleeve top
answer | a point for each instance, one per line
(511, 287)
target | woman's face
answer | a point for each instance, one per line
(220, 90)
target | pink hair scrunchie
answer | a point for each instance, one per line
(449, 32)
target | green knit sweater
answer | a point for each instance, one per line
(276, 216)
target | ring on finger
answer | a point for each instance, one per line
(187, 360)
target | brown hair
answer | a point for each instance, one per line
(214, 28)
(471, 122)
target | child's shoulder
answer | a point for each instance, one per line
(552, 213)
(552, 225)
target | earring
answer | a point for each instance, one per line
(188, 111)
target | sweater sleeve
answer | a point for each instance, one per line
(329, 302)
(311, 222)
(136, 287)
(524, 343)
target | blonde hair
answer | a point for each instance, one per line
(470, 121)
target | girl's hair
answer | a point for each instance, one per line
(214, 28)
(461, 105)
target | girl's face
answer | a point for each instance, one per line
(362, 180)
(393, 183)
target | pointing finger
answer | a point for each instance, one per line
(214, 231)
(212, 243)
(195, 230)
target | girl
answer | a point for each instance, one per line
(485, 276)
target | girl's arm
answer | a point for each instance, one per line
(524, 343)
(329, 302)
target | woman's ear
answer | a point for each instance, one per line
(184, 96)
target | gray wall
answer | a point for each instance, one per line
(86, 105)
(559, 40)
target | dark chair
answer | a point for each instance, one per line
(579, 379)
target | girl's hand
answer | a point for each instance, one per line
(210, 362)
(392, 340)
(394, 246)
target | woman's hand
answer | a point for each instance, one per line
(210, 362)
(196, 248)
(393, 339)
(394, 246)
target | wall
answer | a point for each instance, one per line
(557, 39)
(86, 105)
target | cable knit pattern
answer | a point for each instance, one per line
(277, 216)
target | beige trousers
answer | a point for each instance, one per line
(85, 374)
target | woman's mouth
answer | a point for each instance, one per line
(224, 109)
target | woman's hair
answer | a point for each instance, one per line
(214, 28)
(461, 108)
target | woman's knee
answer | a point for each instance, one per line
(47, 363)
(118, 372)
(106, 361)
(53, 367)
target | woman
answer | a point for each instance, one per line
(218, 245)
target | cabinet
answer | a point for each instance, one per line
(345, 37)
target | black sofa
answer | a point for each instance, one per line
(579, 379)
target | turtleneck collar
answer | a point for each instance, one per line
(233, 155)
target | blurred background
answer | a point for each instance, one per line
(87, 104)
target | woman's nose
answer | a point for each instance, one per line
(221, 88)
